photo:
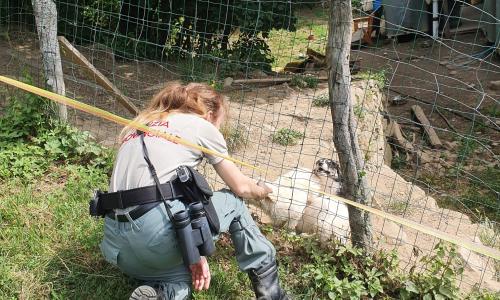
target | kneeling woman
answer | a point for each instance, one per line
(141, 240)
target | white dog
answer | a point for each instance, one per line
(296, 201)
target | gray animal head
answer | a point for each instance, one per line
(327, 167)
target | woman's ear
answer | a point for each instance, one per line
(210, 116)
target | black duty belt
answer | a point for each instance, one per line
(140, 196)
(135, 213)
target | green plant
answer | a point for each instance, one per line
(31, 138)
(235, 136)
(399, 161)
(19, 160)
(304, 81)
(64, 142)
(287, 136)
(493, 111)
(438, 278)
(379, 76)
(395, 206)
(359, 111)
(101, 12)
(344, 272)
(321, 100)
(357, 4)
(489, 234)
(24, 115)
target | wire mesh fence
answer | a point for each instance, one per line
(425, 87)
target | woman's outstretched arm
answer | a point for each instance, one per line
(242, 185)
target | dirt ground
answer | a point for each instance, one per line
(415, 70)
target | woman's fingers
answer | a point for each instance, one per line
(207, 281)
(200, 275)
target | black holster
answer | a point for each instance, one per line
(195, 188)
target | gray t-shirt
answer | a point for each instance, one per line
(131, 170)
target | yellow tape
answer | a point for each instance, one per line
(117, 119)
(481, 249)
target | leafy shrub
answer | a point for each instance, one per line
(30, 140)
(24, 115)
(287, 136)
(21, 160)
(438, 278)
(64, 142)
(338, 271)
(252, 52)
(321, 100)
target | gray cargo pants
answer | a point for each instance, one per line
(147, 249)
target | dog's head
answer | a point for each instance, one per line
(327, 167)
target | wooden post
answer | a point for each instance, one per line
(76, 57)
(46, 24)
(354, 183)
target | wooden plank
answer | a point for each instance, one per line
(394, 131)
(75, 56)
(418, 113)
(268, 80)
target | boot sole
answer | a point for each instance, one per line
(144, 292)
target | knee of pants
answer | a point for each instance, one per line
(250, 244)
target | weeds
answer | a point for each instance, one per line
(492, 111)
(397, 207)
(31, 139)
(466, 147)
(304, 81)
(235, 136)
(399, 161)
(359, 111)
(379, 76)
(321, 100)
(287, 136)
(489, 234)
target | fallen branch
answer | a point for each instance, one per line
(396, 135)
(419, 114)
(274, 80)
(445, 119)
(497, 128)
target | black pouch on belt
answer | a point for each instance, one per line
(195, 188)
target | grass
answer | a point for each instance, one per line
(49, 245)
(492, 111)
(287, 136)
(49, 248)
(312, 32)
(489, 234)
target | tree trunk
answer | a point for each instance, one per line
(354, 184)
(46, 24)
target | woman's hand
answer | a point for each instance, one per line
(267, 189)
(200, 274)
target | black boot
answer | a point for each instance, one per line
(266, 284)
